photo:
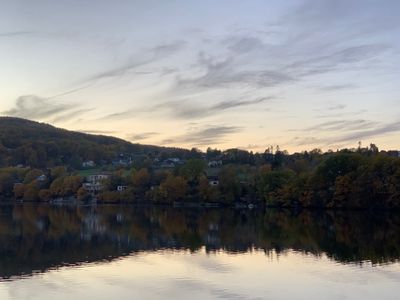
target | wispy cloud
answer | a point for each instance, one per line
(338, 125)
(228, 72)
(331, 61)
(16, 33)
(378, 131)
(97, 132)
(141, 136)
(69, 115)
(345, 132)
(337, 87)
(140, 59)
(38, 108)
(243, 44)
(203, 136)
(187, 109)
(336, 107)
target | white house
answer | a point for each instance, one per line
(41, 178)
(121, 188)
(94, 182)
(88, 164)
(214, 163)
(213, 180)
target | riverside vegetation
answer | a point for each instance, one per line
(41, 163)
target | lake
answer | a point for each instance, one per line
(126, 252)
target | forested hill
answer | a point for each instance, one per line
(41, 145)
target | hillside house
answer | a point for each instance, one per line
(121, 188)
(214, 163)
(94, 182)
(213, 180)
(88, 164)
(41, 178)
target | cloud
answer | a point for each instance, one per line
(188, 109)
(119, 115)
(140, 59)
(243, 44)
(16, 33)
(337, 107)
(70, 115)
(337, 87)
(332, 61)
(37, 108)
(380, 130)
(203, 136)
(346, 131)
(141, 136)
(310, 140)
(338, 125)
(233, 104)
(281, 64)
(361, 17)
(228, 72)
(96, 132)
(70, 91)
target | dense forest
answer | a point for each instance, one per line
(39, 145)
(42, 163)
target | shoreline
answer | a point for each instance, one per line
(205, 205)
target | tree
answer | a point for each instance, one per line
(193, 169)
(6, 184)
(82, 194)
(57, 187)
(141, 180)
(19, 190)
(272, 186)
(58, 171)
(45, 195)
(175, 188)
(31, 192)
(206, 191)
(229, 184)
(32, 175)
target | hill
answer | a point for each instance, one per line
(41, 145)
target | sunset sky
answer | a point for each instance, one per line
(299, 73)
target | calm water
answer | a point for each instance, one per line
(122, 252)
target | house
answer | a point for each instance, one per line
(94, 182)
(171, 162)
(166, 164)
(94, 178)
(214, 163)
(92, 187)
(88, 164)
(41, 178)
(122, 160)
(213, 180)
(121, 188)
(174, 160)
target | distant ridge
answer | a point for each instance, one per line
(37, 144)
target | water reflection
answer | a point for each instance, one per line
(36, 238)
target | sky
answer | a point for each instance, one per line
(301, 74)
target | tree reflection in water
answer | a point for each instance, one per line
(35, 238)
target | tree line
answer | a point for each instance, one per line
(357, 178)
